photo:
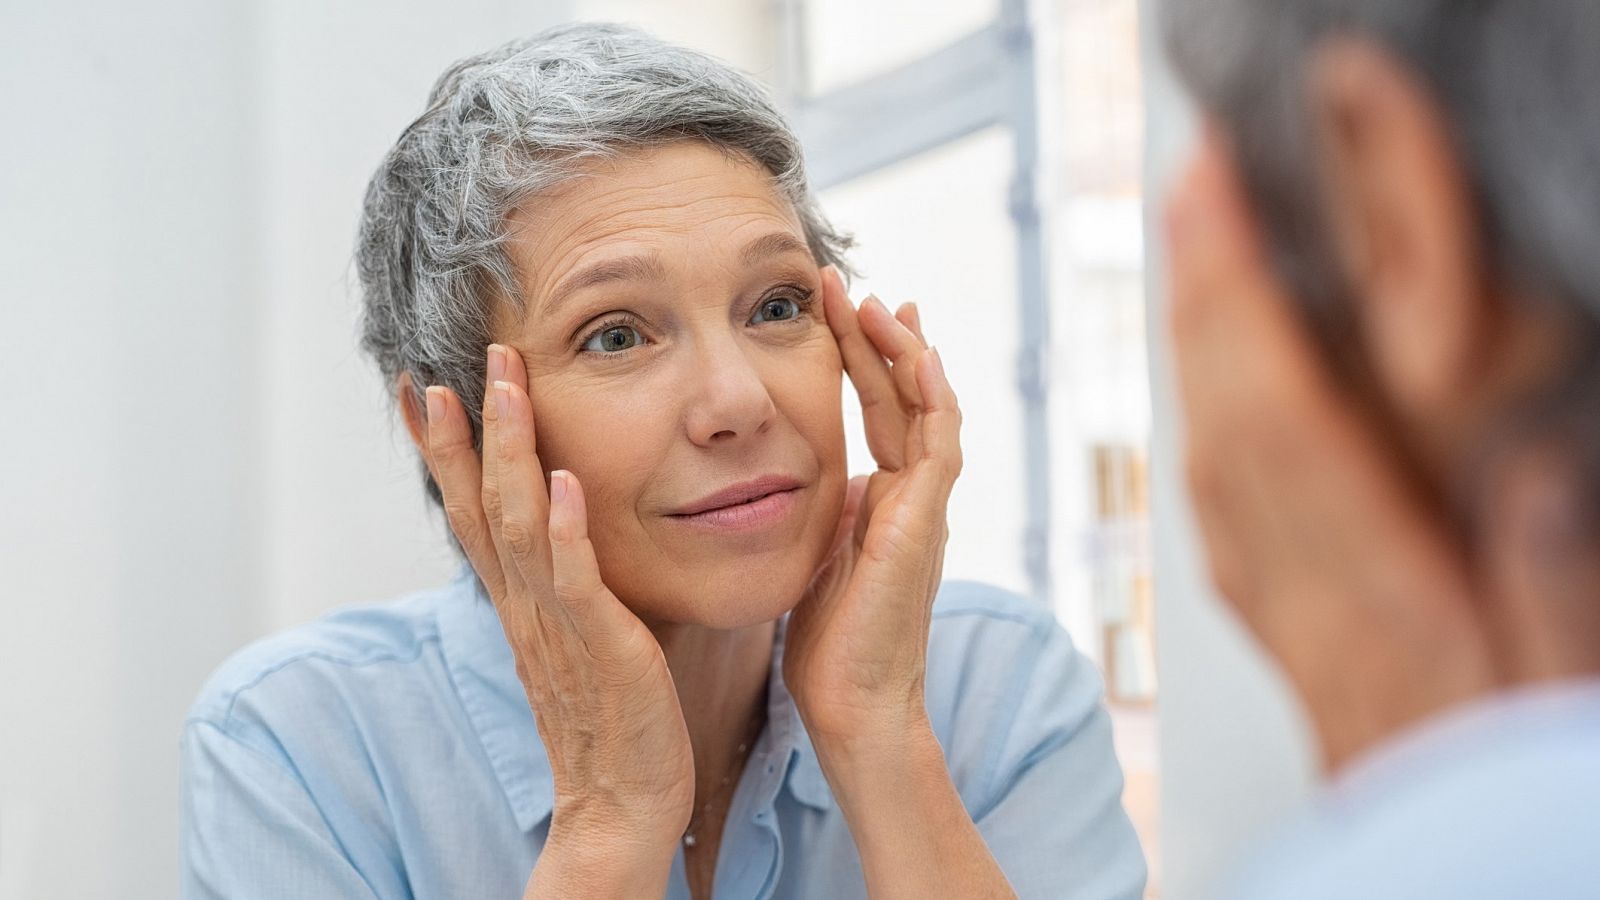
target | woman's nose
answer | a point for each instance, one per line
(727, 397)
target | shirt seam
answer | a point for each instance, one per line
(295, 778)
(1033, 621)
(1016, 687)
(233, 696)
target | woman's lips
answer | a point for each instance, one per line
(761, 512)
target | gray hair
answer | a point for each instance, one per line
(1516, 80)
(503, 126)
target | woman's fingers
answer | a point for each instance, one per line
(898, 344)
(454, 463)
(588, 604)
(910, 534)
(941, 416)
(496, 407)
(932, 474)
(911, 317)
(886, 421)
(902, 525)
(854, 495)
(891, 338)
(520, 480)
(913, 421)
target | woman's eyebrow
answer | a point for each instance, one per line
(773, 244)
(640, 267)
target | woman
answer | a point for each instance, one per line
(645, 471)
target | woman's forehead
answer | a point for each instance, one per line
(672, 186)
(682, 204)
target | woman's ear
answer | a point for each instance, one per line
(411, 410)
(1406, 231)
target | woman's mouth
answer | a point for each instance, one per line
(768, 509)
(747, 506)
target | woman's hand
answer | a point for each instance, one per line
(598, 683)
(856, 647)
(855, 653)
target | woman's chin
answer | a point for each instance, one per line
(738, 600)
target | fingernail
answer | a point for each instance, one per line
(435, 396)
(558, 486)
(502, 399)
(938, 361)
(497, 362)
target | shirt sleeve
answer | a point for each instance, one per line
(250, 828)
(1055, 820)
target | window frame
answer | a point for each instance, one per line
(986, 78)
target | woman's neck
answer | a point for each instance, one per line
(721, 676)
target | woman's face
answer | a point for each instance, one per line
(676, 348)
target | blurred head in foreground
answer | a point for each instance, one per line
(1387, 317)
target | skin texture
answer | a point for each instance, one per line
(644, 645)
(1322, 503)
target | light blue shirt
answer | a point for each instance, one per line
(1498, 800)
(388, 751)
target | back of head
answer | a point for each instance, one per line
(1515, 80)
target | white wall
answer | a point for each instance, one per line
(125, 254)
(1234, 750)
(742, 32)
(344, 513)
(193, 452)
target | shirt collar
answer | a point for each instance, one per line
(787, 738)
(485, 677)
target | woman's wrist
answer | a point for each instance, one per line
(854, 723)
(874, 759)
(601, 860)
(910, 827)
(864, 764)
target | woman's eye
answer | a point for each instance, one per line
(776, 310)
(614, 339)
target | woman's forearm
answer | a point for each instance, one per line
(911, 830)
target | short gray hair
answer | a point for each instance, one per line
(1516, 80)
(502, 126)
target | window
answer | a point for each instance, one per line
(960, 267)
(847, 41)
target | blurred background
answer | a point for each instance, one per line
(196, 454)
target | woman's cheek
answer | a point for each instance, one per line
(808, 386)
(577, 426)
